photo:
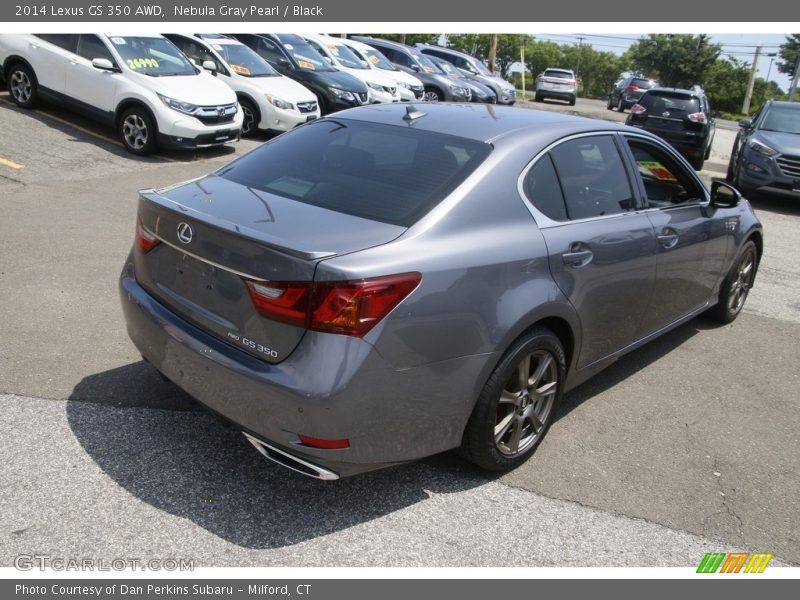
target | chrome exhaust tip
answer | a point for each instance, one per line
(294, 463)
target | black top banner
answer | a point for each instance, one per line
(402, 11)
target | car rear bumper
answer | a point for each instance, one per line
(332, 387)
(559, 94)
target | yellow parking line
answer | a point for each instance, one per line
(9, 163)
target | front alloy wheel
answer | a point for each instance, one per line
(737, 284)
(137, 131)
(249, 125)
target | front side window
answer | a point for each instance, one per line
(593, 177)
(666, 183)
(90, 47)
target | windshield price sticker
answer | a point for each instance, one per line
(656, 169)
(142, 63)
(240, 69)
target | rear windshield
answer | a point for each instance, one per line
(661, 101)
(387, 173)
(558, 74)
(643, 83)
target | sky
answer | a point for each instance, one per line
(740, 46)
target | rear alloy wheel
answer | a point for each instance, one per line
(433, 95)
(737, 285)
(251, 118)
(516, 406)
(137, 131)
(22, 85)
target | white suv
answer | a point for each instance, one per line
(382, 87)
(269, 100)
(409, 87)
(141, 85)
(557, 83)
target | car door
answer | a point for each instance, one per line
(692, 238)
(49, 54)
(601, 249)
(95, 88)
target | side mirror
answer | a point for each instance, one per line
(327, 59)
(416, 68)
(724, 195)
(746, 123)
(103, 64)
(283, 62)
(363, 63)
(210, 65)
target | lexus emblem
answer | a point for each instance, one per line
(185, 233)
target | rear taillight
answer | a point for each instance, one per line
(633, 88)
(284, 302)
(698, 117)
(145, 240)
(638, 109)
(345, 307)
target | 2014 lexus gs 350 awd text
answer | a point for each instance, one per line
(395, 281)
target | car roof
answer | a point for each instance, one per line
(480, 122)
(396, 45)
(785, 104)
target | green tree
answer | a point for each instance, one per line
(680, 60)
(540, 54)
(726, 84)
(789, 52)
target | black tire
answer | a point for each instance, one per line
(538, 98)
(572, 101)
(511, 418)
(433, 94)
(737, 284)
(697, 162)
(252, 117)
(730, 175)
(137, 131)
(22, 85)
(620, 105)
(707, 155)
(610, 103)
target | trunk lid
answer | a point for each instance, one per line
(216, 233)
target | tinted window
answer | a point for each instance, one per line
(592, 177)
(244, 61)
(379, 172)
(558, 74)
(397, 57)
(269, 50)
(90, 47)
(543, 190)
(659, 102)
(666, 183)
(304, 55)
(62, 40)
(643, 83)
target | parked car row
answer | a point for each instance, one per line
(201, 90)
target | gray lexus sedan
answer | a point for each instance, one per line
(395, 281)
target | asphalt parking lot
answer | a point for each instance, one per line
(688, 445)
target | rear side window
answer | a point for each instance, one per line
(379, 172)
(592, 177)
(543, 190)
(661, 102)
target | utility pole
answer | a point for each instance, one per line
(795, 78)
(492, 52)
(751, 83)
(522, 60)
(578, 66)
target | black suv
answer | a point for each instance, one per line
(681, 117)
(766, 152)
(626, 92)
(294, 57)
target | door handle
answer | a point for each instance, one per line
(668, 240)
(577, 258)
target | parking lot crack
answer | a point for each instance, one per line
(728, 497)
